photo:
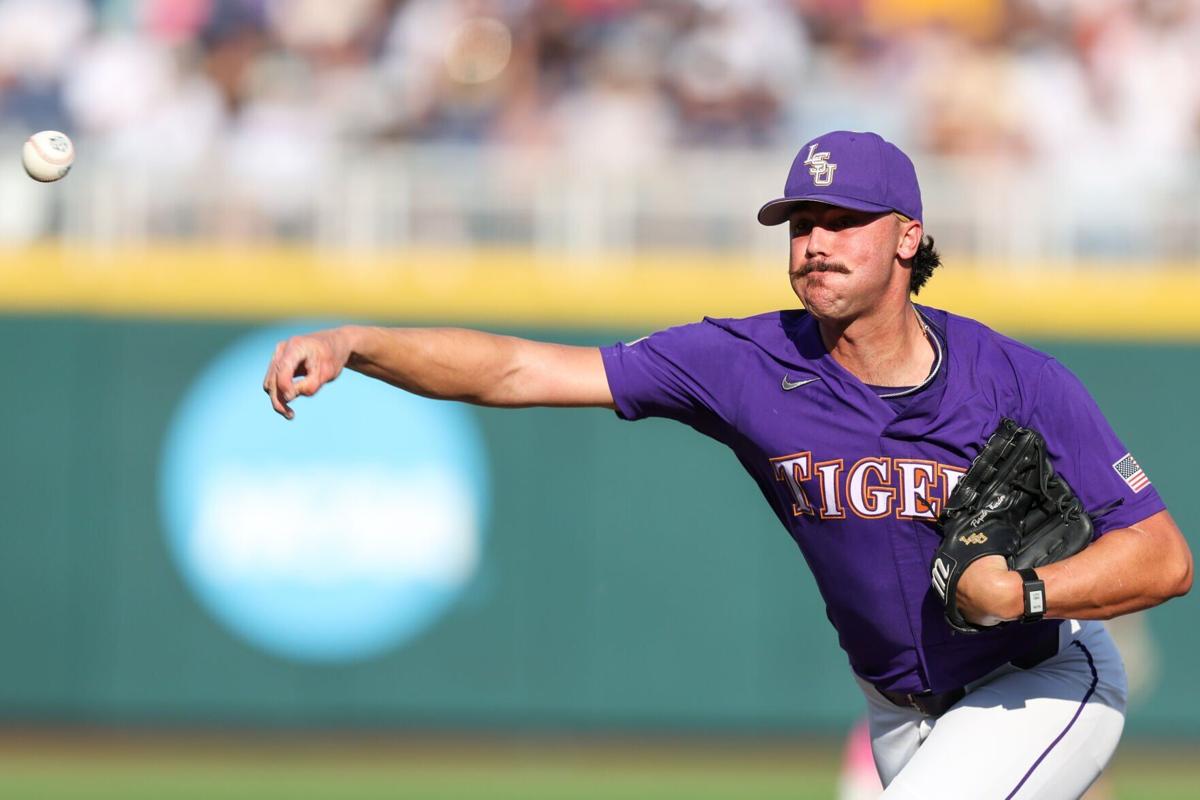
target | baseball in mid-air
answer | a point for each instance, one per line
(48, 156)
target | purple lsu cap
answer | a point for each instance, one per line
(861, 171)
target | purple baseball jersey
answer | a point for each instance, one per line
(858, 480)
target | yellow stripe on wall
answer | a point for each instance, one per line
(518, 288)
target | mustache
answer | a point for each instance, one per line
(820, 265)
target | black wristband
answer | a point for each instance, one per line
(1034, 590)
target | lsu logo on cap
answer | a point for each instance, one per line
(819, 166)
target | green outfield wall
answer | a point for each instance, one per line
(628, 576)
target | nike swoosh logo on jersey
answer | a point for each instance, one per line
(789, 385)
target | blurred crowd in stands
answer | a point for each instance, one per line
(275, 85)
(1008, 77)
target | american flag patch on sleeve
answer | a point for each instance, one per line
(1131, 473)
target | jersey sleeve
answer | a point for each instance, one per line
(1086, 451)
(689, 373)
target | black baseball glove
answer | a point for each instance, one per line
(1010, 503)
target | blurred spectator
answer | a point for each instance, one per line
(616, 117)
(38, 39)
(732, 70)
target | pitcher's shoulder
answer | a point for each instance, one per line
(783, 322)
(975, 340)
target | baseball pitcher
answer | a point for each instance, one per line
(968, 513)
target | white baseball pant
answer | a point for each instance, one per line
(1045, 733)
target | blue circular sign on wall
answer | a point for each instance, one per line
(335, 536)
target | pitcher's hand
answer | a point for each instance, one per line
(303, 364)
(990, 593)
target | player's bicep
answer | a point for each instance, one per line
(689, 373)
(546, 374)
(1148, 561)
(1165, 543)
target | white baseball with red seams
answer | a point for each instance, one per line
(48, 156)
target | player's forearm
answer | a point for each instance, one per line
(444, 363)
(1126, 570)
(481, 368)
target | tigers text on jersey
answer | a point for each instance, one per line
(858, 478)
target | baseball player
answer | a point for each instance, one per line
(857, 417)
